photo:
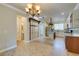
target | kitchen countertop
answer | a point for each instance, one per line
(73, 34)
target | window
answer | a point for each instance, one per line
(59, 26)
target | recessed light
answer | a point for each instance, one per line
(62, 13)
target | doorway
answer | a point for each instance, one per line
(33, 29)
(20, 27)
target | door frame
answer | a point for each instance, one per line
(30, 20)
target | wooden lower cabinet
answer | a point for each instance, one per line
(72, 43)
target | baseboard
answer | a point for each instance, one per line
(7, 49)
(31, 40)
(26, 41)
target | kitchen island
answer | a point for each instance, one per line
(72, 43)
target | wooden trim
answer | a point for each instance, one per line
(29, 29)
(34, 20)
(31, 25)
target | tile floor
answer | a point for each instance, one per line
(40, 48)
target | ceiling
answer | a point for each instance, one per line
(58, 11)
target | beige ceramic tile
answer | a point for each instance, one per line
(38, 48)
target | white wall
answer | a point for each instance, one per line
(42, 30)
(67, 22)
(8, 27)
(76, 18)
(76, 21)
(27, 30)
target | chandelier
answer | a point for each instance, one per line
(33, 9)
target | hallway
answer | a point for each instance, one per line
(39, 48)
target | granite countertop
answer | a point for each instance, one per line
(73, 34)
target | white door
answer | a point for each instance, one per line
(20, 27)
